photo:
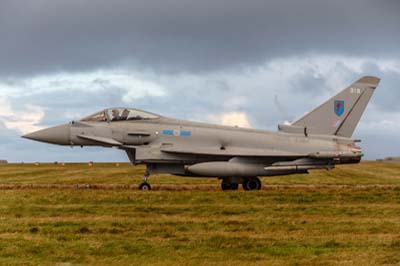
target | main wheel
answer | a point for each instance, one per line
(252, 184)
(144, 186)
(234, 186)
(226, 185)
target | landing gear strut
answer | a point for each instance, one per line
(252, 183)
(145, 185)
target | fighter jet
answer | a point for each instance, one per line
(237, 156)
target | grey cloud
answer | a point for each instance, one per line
(213, 40)
(176, 35)
(6, 135)
(387, 95)
(198, 100)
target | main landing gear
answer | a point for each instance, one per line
(252, 183)
(145, 185)
(248, 183)
(227, 184)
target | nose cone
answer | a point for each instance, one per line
(55, 135)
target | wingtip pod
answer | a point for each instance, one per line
(369, 81)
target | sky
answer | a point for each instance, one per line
(254, 63)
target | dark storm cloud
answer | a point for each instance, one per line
(176, 35)
(386, 98)
(235, 57)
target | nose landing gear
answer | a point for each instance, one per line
(145, 185)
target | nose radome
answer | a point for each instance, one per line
(55, 135)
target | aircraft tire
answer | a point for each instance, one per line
(253, 183)
(234, 186)
(144, 186)
(226, 185)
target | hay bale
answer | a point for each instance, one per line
(392, 159)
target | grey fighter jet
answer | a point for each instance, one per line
(318, 140)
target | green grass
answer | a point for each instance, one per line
(287, 225)
(365, 173)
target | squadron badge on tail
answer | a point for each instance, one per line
(338, 106)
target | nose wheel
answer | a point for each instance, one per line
(145, 185)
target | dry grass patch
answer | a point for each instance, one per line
(348, 216)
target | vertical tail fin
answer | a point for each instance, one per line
(340, 114)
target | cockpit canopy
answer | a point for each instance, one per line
(119, 114)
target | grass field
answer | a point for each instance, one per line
(348, 216)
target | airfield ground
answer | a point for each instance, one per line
(348, 216)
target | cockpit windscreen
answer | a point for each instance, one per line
(119, 114)
(97, 117)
